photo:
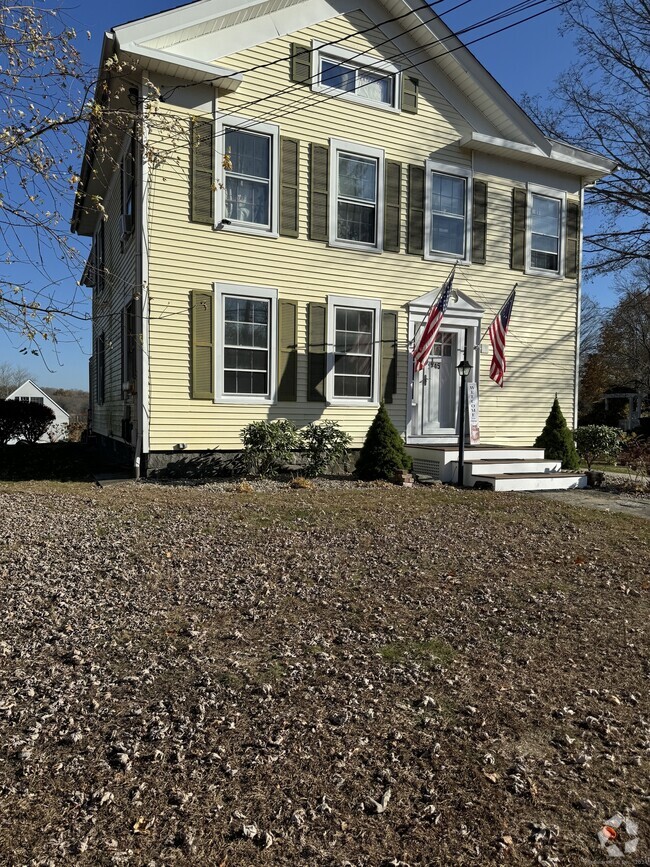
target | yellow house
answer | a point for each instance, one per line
(278, 190)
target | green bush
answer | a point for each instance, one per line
(383, 451)
(557, 440)
(24, 420)
(597, 441)
(325, 445)
(268, 445)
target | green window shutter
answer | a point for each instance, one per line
(415, 241)
(388, 355)
(518, 248)
(410, 87)
(392, 203)
(202, 182)
(318, 193)
(572, 240)
(479, 221)
(287, 350)
(316, 352)
(300, 63)
(289, 173)
(202, 341)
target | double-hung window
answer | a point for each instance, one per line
(545, 219)
(246, 333)
(356, 202)
(448, 213)
(339, 72)
(248, 154)
(354, 324)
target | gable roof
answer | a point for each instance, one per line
(187, 41)
(46, 396)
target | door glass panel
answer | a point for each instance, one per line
(438, 387)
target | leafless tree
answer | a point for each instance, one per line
(602, 102)
(11, 376)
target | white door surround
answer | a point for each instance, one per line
(432, 405)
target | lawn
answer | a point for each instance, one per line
(365, 676)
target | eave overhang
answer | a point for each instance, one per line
(557, 155)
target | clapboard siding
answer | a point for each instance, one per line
(185, 256)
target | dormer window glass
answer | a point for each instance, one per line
(373, 85)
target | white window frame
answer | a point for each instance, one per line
(246, 124)
(373, 304)
(338, 146)
(549, 193)
(263, 293)
(458, 171)
(336, 53)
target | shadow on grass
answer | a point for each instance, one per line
(61, 462)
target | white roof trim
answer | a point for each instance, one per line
(185, 67)
(38, 388)
(560, 156)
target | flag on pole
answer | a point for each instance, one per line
(424, 345)
(498, 331)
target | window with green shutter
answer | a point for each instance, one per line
(388, 355)
(392, 206)
(410, 89)
(287, 350)
(416, 185)
(316, 351)
(202, 183)
(518, 242)
(202, 345)
(300, 63)
(289, 186)
(572, 263)
(479, 221)
(318, 192)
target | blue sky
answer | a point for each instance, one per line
(526, 58)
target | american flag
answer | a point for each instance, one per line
(432, 326)
(498, 331)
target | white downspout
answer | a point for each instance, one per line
(576, 385)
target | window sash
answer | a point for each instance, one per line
(448, 215)
(544, 236)
(354, 368)
(246, 358)
(368, 84)
(248, 186)
(355, 203)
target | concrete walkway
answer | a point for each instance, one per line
(604, 501)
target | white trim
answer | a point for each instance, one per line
(576, 384)
(337, 146)
(265, 293)
(353, 58)
(463, 314)
(247, 124)
(549, 193)
(142, 239)
(432, 166)
(374, 304)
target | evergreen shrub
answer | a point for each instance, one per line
(383, 451)
(557, 440)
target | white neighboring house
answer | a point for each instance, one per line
(31, 393)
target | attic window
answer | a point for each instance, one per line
(336, 73)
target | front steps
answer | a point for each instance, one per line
(497, 467)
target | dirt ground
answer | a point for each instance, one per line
(355, 677)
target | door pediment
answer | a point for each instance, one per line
(459, 303)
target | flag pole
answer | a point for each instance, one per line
(498, 311)
(435, 300)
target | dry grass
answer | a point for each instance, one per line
(195, 677)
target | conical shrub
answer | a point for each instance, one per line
(557, 440)
(383, 451)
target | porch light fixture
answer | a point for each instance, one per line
(463, 369)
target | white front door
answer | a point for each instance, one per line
(436, 388)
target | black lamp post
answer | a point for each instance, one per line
(463, 369)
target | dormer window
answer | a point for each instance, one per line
(337, 72)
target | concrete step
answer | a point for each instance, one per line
(531, 481)
(498, 453)
(506, 467)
